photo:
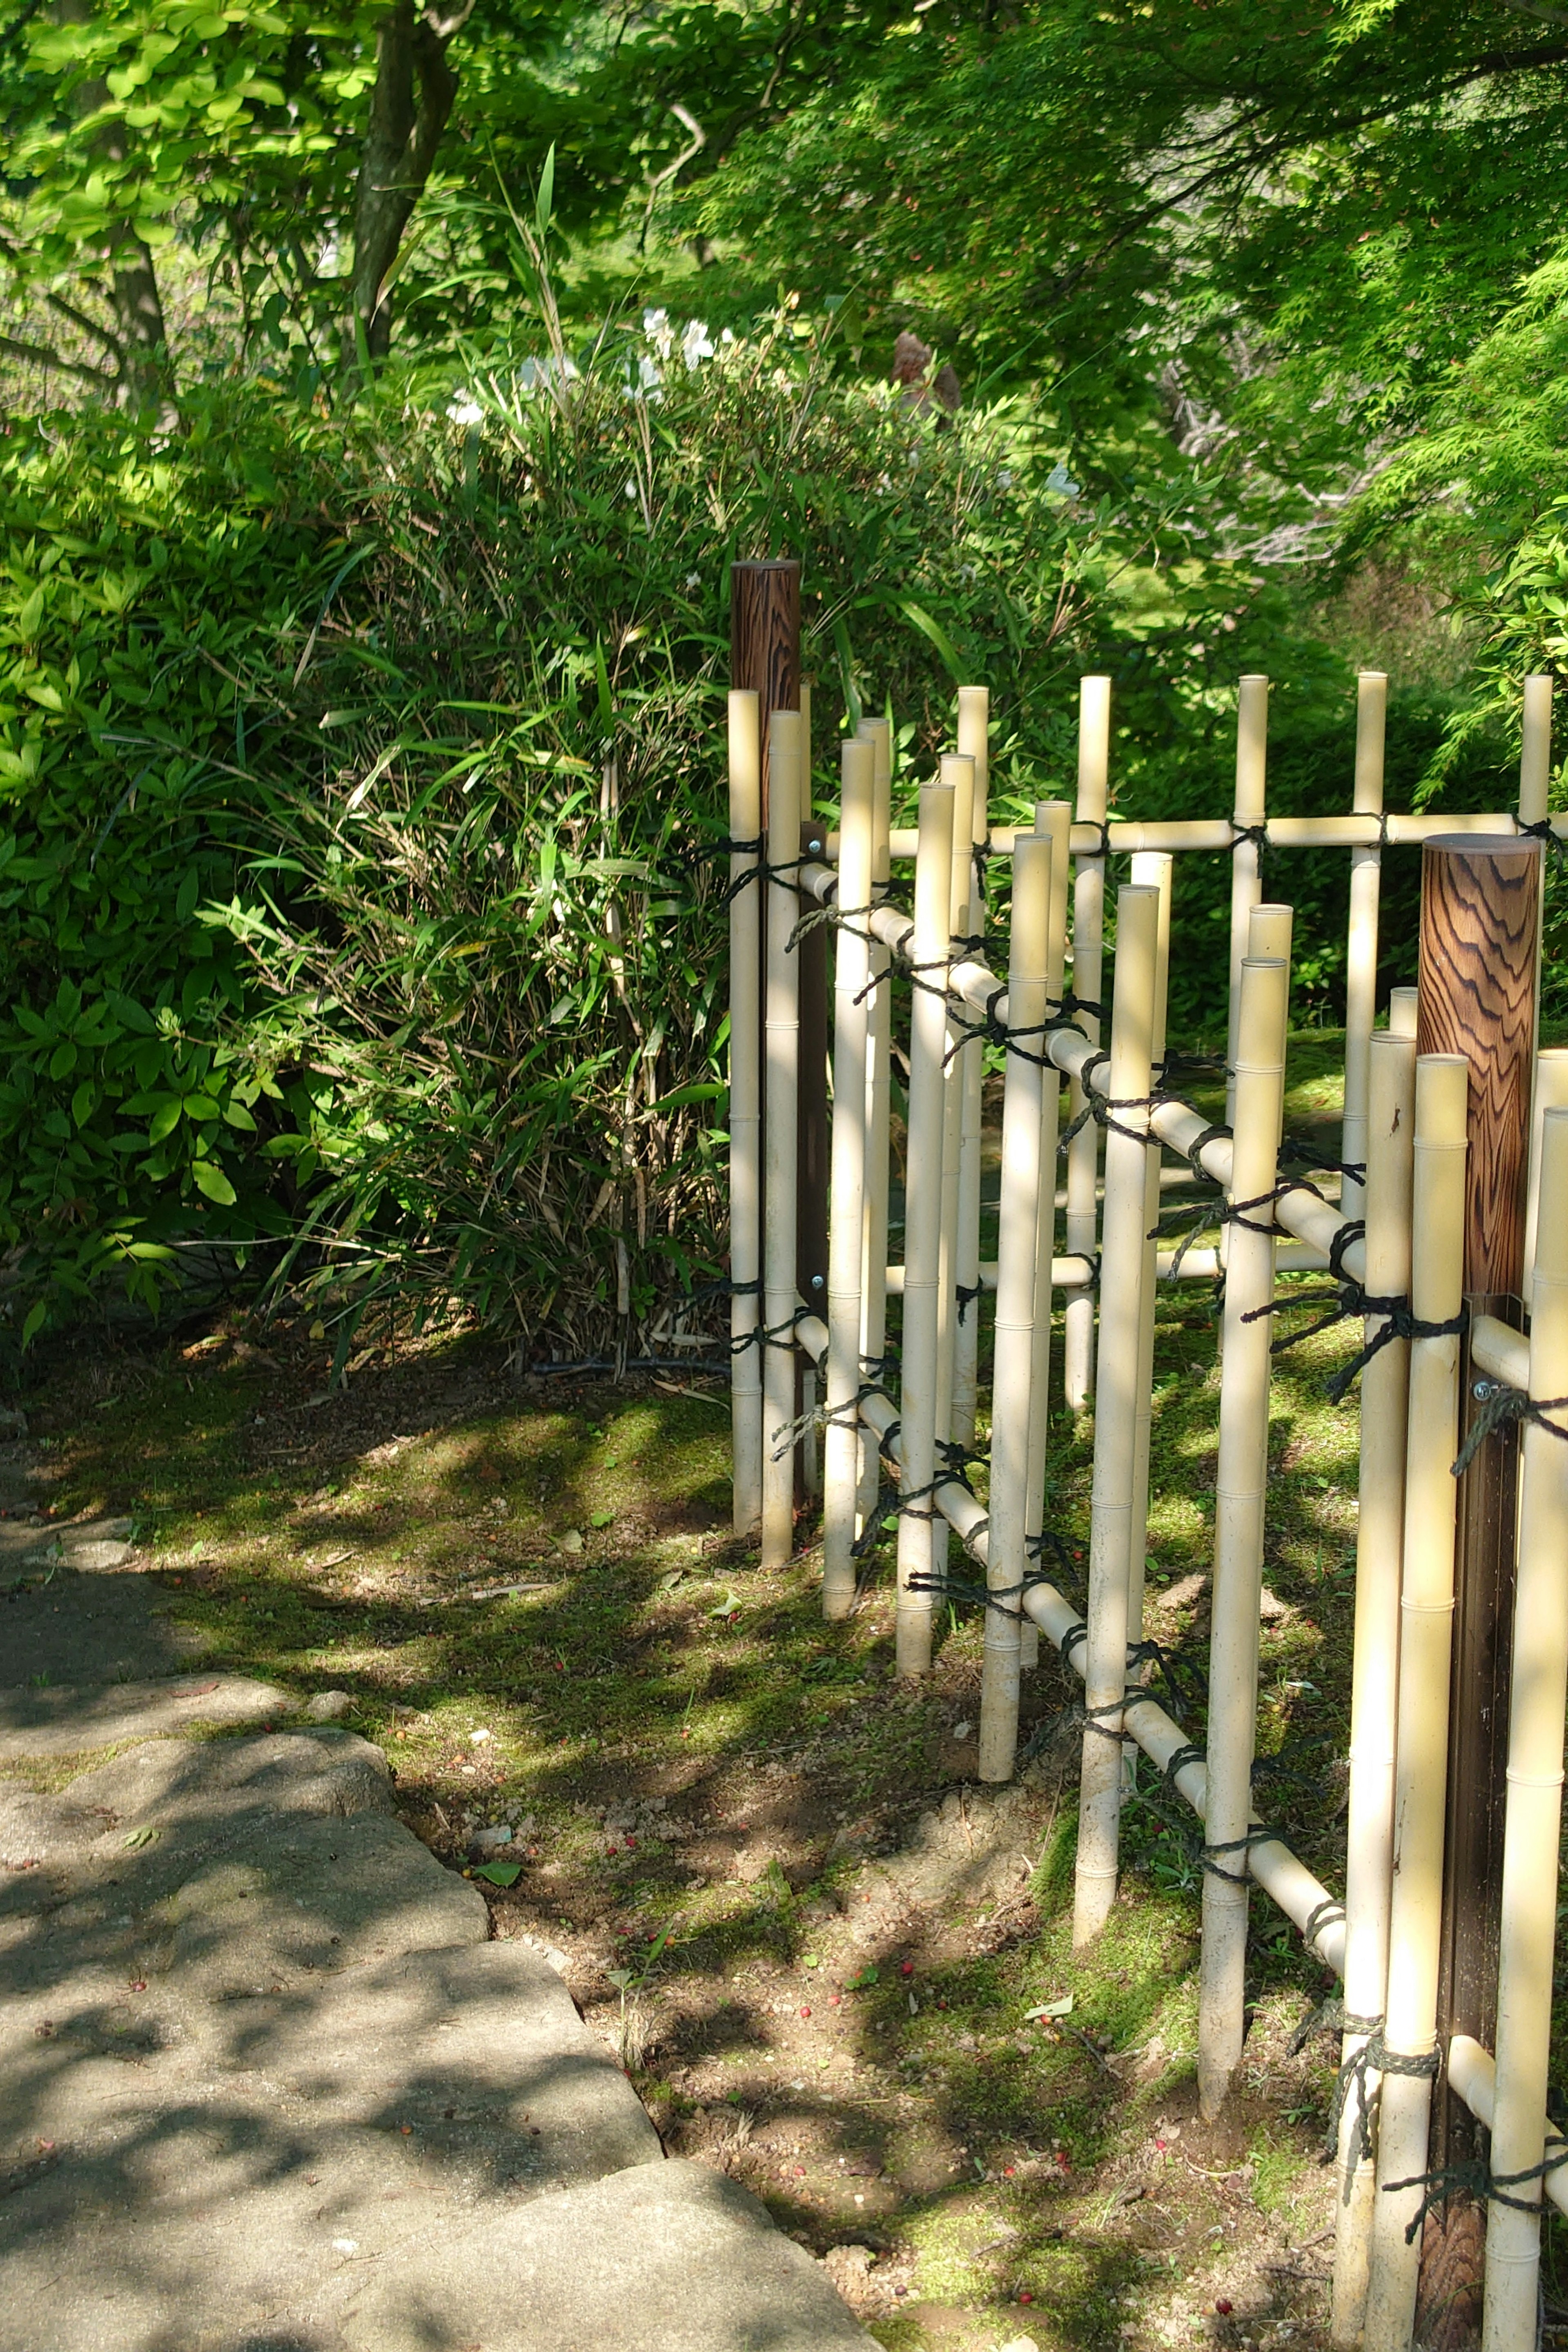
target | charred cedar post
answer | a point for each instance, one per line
(764, 659)
(1480, 898)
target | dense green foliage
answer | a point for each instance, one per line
(364, 620)
(354, 883)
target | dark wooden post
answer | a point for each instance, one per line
(765, 656)
(1480, 898)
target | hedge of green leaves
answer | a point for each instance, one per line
(355, 785)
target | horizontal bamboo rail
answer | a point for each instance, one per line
(1075, 1272)
(1304, 1900)
(1123, 836)
(1472, 2072)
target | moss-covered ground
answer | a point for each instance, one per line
(766, 1866)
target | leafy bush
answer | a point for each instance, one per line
(358, 779)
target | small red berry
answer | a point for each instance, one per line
(805, 2012)
(1023, 2295)
(906, 1967)
(632, 1846)
(1223, 2306)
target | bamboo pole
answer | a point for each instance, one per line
(847, 1193)
(1421, 1739)
(959, 770)
(1263, 1003)
(1124, 836)
(1550, 1093)
(1246, 860)
(1535, 749)
(879, 1099)
(1116, 1415)
(1019, 1249)
(923, 1224)
(1053, 819)
(1152, 869)
(974, 744)
(1360, 944)
(1088, 961)
(1404, 1011)
(1369, 1834)
(745, 1113)
(782, 1048)
(1532, 1834)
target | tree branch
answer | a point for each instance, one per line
(42, 353)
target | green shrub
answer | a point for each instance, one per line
(358, 779)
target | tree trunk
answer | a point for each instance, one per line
(143, 378)
(409, 108)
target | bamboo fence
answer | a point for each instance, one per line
(918, 987)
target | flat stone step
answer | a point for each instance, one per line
(39, 1723)
(210, 2174)
(665, 2258)
(76, 1627)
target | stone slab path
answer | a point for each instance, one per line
(265, 2083)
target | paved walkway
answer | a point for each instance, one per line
(264, 2085)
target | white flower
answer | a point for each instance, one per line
(464, 409)
(696, 343)
(1059, 479)
(648, 375)
(1003, 478)
(655, 326)
(694, 579)
(631, 489)
(727, 336)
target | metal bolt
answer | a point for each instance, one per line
(1481, 1390)
(816, 1281)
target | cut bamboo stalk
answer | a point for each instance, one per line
(1087, 960)
(1116, 1411)
(1535, 749)
(974, 744)
(1246, 860)
(958, 770)
(1053, 819)
(1534, 1828)
(1550, 1092)
(1404, 1011)
(1263, 1005)
(1374, 1687)
(847, 1196)
(1360, 943)
(1426, 1610)
(1018, 1246)
(1152, 869)
(745, 1113)
(782, 1048)
(923, 1225)
(1125, 836)
(878, 1098)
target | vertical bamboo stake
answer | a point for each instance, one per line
(1534, 1821)
(783, 1049)
(1263, 1003)
(922, 1221)
(959, 770)
(1116, 1411)
(745, 1113)
(1404, 1011)
(1421, 1739)
(1535, 749)
(1360, 944)
(1374, 1687)
(847, 1193)
(1087, 958)
(1052, 818)
(878, 1039)
(1549, 1093)
(1017, 1250)
(1151, 868)
(1245, 859)
(973, 742)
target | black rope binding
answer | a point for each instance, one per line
(1374, 2057)
(1504, 1408)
